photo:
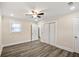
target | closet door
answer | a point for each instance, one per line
(76, 34)
(52, 33)
(45, 33)
(0, 37)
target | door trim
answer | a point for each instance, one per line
(31, 32)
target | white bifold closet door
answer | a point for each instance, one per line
(48, 32)
(52, 33)
(45, 33)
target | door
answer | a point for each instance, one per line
(52, 33)
(76, 34)
(48, 33)
(0, 37)
(34, 32)
(45, 32)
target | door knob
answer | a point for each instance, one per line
(75, 37)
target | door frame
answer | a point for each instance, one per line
(31, 32)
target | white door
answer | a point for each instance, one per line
(45, 32)
(34, 32)
(52, 33)
(76, 34)
(48, 33)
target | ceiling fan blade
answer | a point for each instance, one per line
(28, 14)
(41, 14)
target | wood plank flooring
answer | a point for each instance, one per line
(35, 49)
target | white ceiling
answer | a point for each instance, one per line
(52, 9)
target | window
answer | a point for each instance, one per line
(16, 27)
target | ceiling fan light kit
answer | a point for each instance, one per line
(35, 13)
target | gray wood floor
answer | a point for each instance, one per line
(35, 49)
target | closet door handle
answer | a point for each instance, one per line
(76, 37)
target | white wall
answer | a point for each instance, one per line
(10, 38)
(65, 38)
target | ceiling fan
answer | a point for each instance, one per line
(35, 13)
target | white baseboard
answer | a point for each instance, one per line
(15, 43)
(65, 48)
(62, 47)
(34, 39)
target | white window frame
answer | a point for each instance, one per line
(15, 27)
